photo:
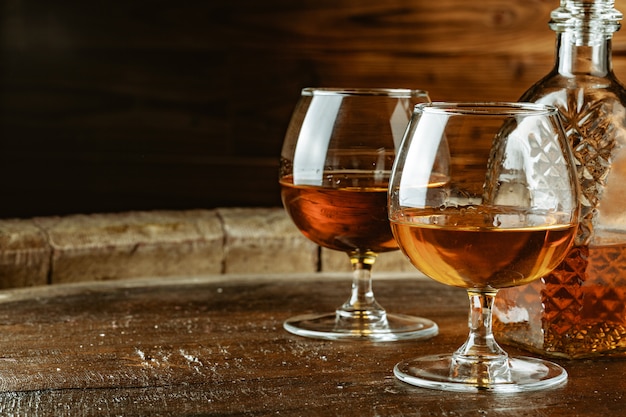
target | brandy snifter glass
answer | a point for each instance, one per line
(483, 196)
(334, 175)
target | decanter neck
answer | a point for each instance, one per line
(584, 32)
(591, 58)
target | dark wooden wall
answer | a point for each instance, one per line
(152, 104)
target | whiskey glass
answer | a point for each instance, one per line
(483, 196)
(334, 175)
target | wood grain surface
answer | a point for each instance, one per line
(199, 347)
(135, 105)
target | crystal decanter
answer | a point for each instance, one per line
(579, 310)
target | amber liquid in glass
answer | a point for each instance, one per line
(478, 249)
(348, 212)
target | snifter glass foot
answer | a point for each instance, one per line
(515, 375)
(334, 326)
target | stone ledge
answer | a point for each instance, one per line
(115, 246)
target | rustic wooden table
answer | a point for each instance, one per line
(205, 347)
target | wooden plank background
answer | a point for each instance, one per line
(134, 105)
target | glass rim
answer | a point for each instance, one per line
(489, 108)
(364, 91)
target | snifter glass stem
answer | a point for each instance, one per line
(361, 309)
(481, 360)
